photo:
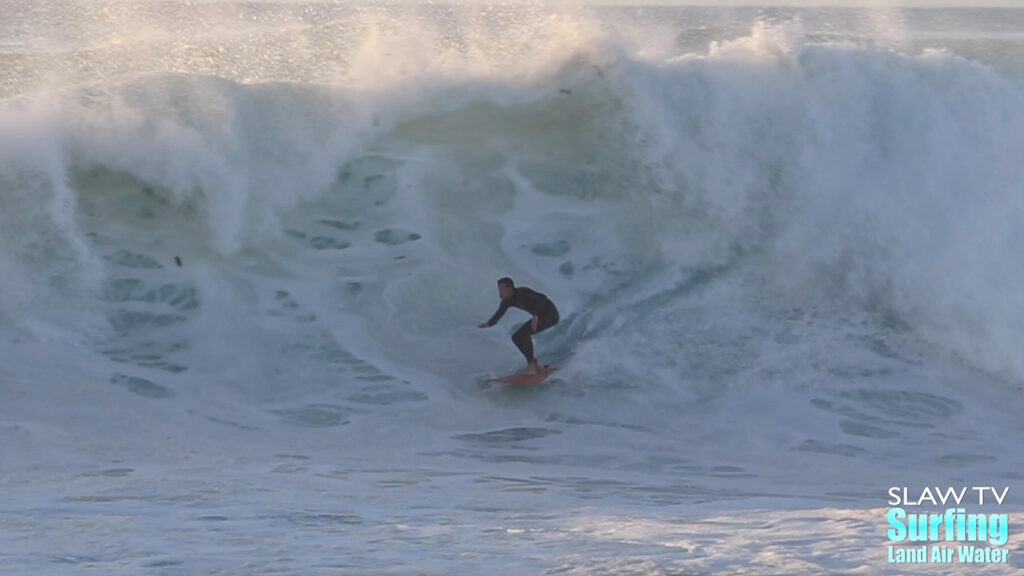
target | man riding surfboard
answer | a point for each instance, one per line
(543, 310)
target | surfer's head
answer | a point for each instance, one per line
(506, 287)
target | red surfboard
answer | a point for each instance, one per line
(520, 378)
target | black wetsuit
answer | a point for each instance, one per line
(536, 304)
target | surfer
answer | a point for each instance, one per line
(543, 310)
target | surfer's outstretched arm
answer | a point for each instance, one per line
(497, 315)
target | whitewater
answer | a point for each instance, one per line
(244, 248)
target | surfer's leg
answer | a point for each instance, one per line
(523, 341)
(547, 320)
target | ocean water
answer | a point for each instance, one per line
(244, 248)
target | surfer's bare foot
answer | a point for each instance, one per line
(531, 368)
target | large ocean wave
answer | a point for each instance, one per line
(834, 177)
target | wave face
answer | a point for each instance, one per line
(766, 235)
(832, 176)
